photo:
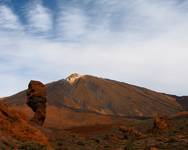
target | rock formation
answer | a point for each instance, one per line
(15, 131)
(36, 100)
(161, 123)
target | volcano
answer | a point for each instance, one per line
(86, 100)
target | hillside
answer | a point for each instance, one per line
(183, 101)
(93, 98)
(17, 133)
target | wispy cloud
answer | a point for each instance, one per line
(8, 20)
(71, 23)
(39, 17)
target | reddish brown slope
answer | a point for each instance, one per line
(16, 132)
(70, 99)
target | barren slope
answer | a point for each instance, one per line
(16, 132)
(84, 99)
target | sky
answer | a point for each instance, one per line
(141, 42)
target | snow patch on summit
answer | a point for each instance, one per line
(73, 77)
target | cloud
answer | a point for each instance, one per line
(39, 17)
(141, 42)
(71, 23)
(8, 20)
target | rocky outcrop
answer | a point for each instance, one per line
(5, 113)
(15, 131)
(36, 100)
(161, 123)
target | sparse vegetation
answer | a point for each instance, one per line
(116, 137)
(31, 146)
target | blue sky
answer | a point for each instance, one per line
(142, 42)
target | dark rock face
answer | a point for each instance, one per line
(36, 100)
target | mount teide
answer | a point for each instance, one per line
(83, 100)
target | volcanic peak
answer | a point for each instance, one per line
(73, 77)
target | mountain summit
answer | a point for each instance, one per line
(73, 77)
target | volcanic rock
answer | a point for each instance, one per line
(15, 130)
(130, 132)
(161, 123)
(36, 100)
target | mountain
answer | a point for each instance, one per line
(85, 99)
